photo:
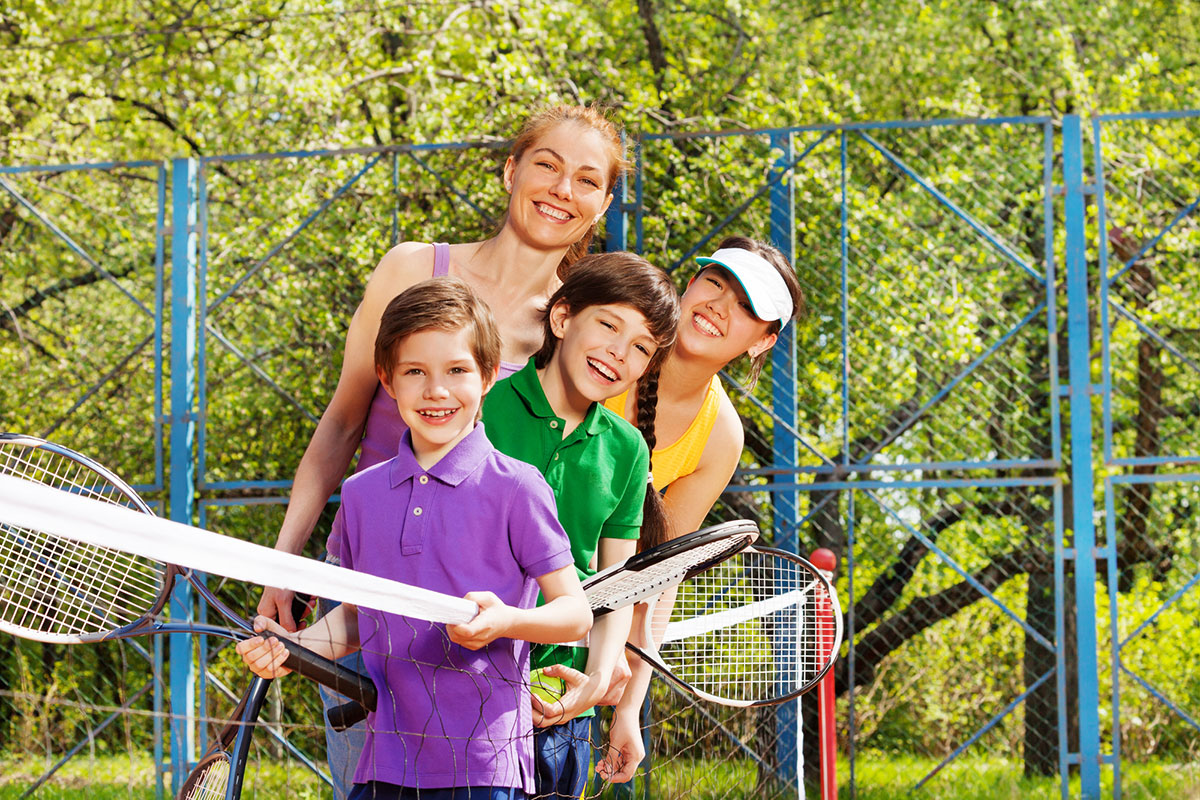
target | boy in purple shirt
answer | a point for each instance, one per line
(452, 514)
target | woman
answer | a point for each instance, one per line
(735, 305)
(559, 177)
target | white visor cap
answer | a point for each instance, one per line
(765, 288)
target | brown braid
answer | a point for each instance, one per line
(654, 510)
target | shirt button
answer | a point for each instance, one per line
(423, 479)
(417, 511)
(556, 456)
(553, 423)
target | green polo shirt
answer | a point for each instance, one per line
(597, 472)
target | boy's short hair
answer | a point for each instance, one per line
(444, 304)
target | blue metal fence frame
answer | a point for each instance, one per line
(189, 307)
(783, 410)
(1107, 302)
(184, 238)
(154, 656)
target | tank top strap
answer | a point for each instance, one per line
(441, 259)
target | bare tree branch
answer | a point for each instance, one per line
(9, 321)
(890, 585)
(924, 612)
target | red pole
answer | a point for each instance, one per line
(825, 561)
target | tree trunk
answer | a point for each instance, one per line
(1041, 707)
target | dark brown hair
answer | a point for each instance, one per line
(444, 304)
(779, 261)
(627, 279)
(593, 118)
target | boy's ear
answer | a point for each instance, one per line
(558, 318)
(386, 380)
(762, 345)
(488, 384)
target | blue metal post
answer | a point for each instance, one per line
(615, 223)
(784, 444)
(184, 174)
(1079, 345)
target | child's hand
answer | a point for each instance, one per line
(581, 693)
(625, 749)
(264, 655)
(493, 621)
(277, 604)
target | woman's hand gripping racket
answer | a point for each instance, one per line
(760, 628)
(55, 589)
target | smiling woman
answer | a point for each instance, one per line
(559, 175)
(563, 165)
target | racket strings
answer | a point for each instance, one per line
(748, 630)
(209, 781)
(60, 588)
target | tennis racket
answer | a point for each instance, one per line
(760, 628)
(59, 590)
(219, 773)
(650, 572)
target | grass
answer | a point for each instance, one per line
(877, 778)
(880, 778)
(111, 777)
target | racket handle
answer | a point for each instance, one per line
(346, 715)
(352, 684)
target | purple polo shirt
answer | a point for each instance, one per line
(477, 520)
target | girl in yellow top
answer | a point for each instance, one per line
(737, 303)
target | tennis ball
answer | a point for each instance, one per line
(548, 688)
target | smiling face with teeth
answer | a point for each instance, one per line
(717, 321)
(438, 389)
(602, 352)
(559, 186)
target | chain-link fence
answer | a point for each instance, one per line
(81, 349)
(924, 447)
(1148, 244)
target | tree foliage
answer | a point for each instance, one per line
(926, 295)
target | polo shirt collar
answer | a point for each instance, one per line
(452, 469)
(526, 384)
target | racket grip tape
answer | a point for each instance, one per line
(346, 715)
(345, 681)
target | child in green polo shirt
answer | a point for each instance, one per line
(609, 325)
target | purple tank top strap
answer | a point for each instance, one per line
(441, 266)
(441, 259)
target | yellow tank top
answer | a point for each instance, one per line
(682, 456)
